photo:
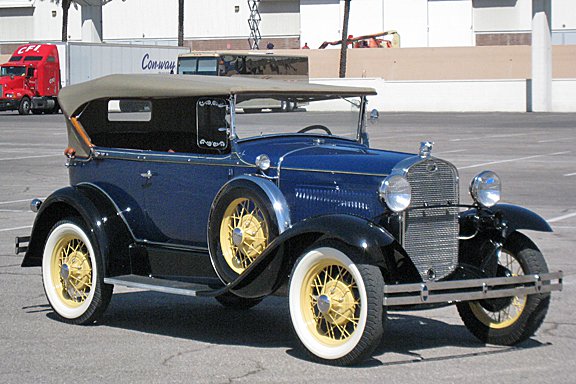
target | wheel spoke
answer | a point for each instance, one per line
(79, 292)
(353, 320)
(343, 332)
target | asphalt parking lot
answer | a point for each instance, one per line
(151, 337)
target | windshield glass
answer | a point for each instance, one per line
(257, 117)
(15, 71)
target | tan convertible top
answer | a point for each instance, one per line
(71, 98)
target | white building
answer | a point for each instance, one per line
(222, 24)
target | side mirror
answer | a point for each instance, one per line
(30, 73)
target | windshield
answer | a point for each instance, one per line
(13, 71)
(257, 117)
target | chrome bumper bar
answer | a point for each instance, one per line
(467, 290)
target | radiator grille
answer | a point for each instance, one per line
(431, 233)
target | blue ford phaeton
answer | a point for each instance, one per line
(202, 186)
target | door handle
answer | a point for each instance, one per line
(147, 175)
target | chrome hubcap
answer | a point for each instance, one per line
(324, 304)
(237, 236)
(65, 272)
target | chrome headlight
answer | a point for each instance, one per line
(396, 192)
(263, 162)
(486, 189)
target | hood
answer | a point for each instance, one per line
(343, 159)
(12, 82)
(333, 155)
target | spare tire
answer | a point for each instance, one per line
(241, 225)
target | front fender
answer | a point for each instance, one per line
(98, 213)
(517, 217)
(271, 269)
(507, 217)
(483, 231)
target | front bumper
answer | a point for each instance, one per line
(469, 290)
(8, 104)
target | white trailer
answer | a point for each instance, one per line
(81, 62)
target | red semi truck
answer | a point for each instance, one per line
(33, 76)
(30, 80)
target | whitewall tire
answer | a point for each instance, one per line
(335, 304)
(72, 274)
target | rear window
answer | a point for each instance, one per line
(163, 125)
(129, 110)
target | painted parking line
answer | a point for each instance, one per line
(15, 228)
(512, 160)
(500, 136)
(554, 140)
(488, 137)
(453, 151)
(570, 174)
(14, 210)
(6, 143)
(15, 201)
(28, 157)
(560, 218)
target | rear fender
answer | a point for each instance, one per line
(271, 269)
(105, 225)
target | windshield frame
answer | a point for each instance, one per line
(360, 128)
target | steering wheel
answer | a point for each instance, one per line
(315, 126)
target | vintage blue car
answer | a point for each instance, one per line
(177, 186)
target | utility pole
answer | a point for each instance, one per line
(344, 45)
(65, 8)
(180, 23)
(541, 56)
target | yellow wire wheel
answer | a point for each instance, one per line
(70, 274)
(500, 318)
(330, 302)
(242, 224)
(244, 233)
(509, 320)
(335, 304)
(71, 270)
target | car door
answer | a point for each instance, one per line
(178, 194)
(181, 185)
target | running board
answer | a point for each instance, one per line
(162, 285)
